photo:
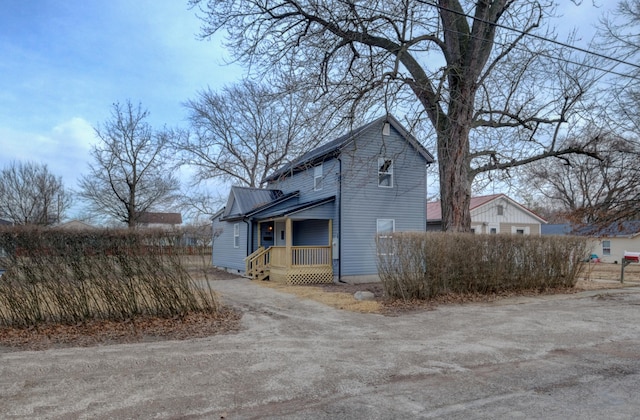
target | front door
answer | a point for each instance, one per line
(279, 233)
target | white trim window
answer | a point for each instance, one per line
(606, 247)
(385, 172)
(520, 230)
(236, 235)
(384, 231)
(317, 178)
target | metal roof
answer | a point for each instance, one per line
(629, 228)
(295, 208)
(333, 147)
(249, 198)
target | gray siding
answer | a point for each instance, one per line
(311, 233)
(225, 255)
(325, 211)
(363, 201)
(303, 182)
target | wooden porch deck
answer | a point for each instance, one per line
(291, 265)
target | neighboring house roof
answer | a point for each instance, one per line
(434, 208)
(5, 222)
(75, 225)
(334, 147)
(625, 229)
(160, 218)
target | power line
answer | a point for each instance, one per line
(539, 37)
(553, 41)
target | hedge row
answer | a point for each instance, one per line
(422, 265)
(74, 276)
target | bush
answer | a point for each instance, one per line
(75, 276)
(422, 265)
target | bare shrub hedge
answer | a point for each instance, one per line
(422, 265)
(75, 276)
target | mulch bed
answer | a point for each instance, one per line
(101, 332)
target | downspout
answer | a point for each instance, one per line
(249, 236)
(340, 220)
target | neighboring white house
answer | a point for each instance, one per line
(75, 225)
(151, 220)
(492, 214)
(611, 242)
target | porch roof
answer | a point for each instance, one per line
(294, 209)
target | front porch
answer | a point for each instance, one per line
(291, 264)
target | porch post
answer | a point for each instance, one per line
(288, 240)
(330, 240)
(259, 224)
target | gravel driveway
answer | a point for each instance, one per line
(564, 356)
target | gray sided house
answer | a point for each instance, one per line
(318, 218)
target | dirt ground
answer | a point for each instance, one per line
(340, 296)
(569, 356)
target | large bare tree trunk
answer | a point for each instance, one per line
(454, 164)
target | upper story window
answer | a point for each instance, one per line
(500, 208)
(385, 172)
(317, 178)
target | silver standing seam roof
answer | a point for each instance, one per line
(333, 147)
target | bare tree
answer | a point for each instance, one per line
(130, 173)
(592, 191)
(199, 203)
(30, 194)
(245, 131)
(495, 96)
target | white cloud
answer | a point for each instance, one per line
(64, 148)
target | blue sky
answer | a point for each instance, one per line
(63, 63)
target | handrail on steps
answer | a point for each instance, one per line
(257, 262)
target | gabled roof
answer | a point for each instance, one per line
(160, 218)
(434, 208)
(624, 229)
(334, 147)
(251, 200)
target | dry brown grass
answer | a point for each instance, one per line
(335, 299)
(606, 271)
(593, 277)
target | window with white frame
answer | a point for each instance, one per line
(317, 178)
(500, 209)
(606, 247)
(384, 230)
(236, 235)
(385, 172)
(520, 230)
